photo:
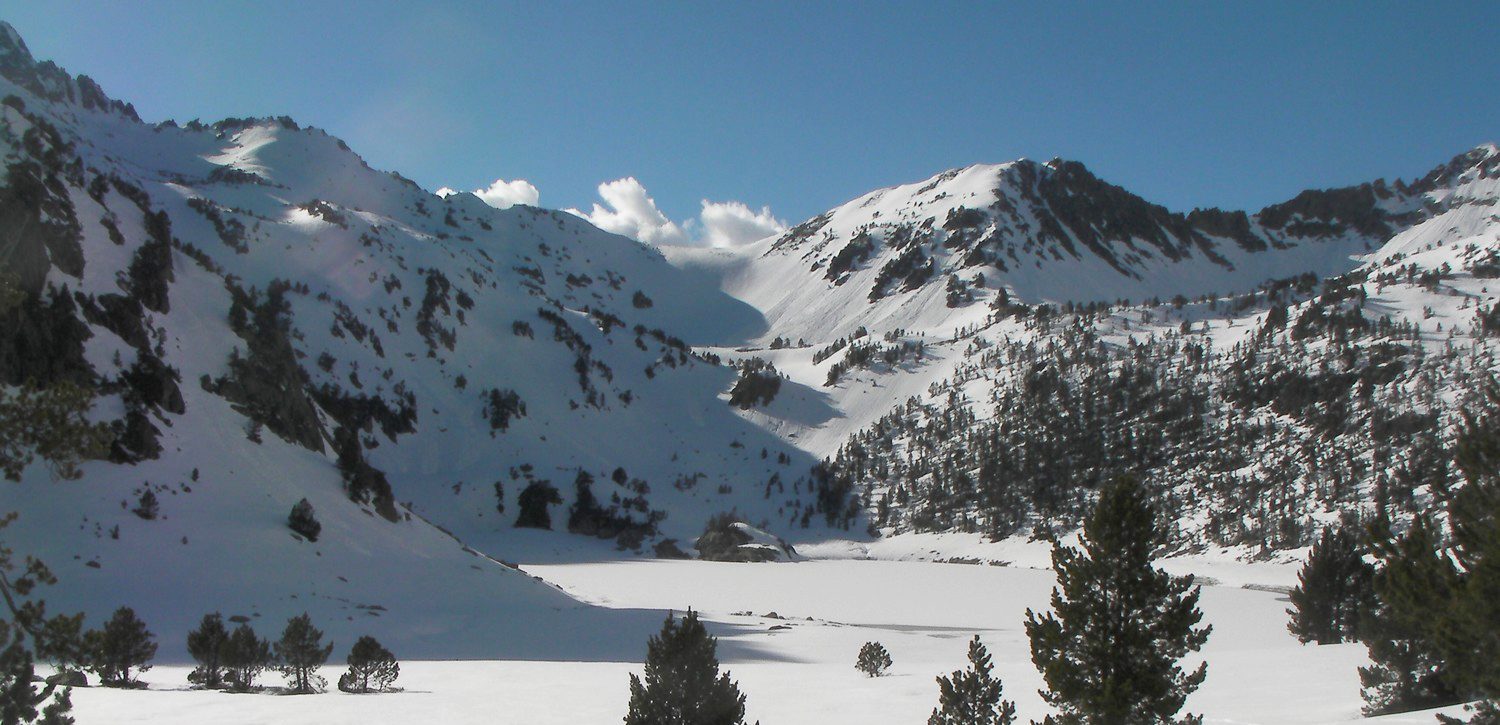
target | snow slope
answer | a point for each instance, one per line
(404, 312)
(1053, 234)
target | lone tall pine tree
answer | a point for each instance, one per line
(1109, 648)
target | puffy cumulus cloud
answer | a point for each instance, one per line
(503, 194)
(732, 223)
(629, 210)
(632, 212)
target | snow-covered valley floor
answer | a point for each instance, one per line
(795, 667)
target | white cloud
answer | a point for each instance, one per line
(732, 223)
(630, 211)
(503, 194)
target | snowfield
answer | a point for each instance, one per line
(789, 633)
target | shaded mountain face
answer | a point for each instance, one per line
(264, 319)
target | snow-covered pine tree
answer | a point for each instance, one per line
(1109, 648)
(972, 696)
(300, 653)
(873, 659)
(682, 683)
(1335, 590)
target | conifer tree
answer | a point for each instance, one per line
(206, 645)
(533, 501)
(23, 698)
(123, 645)
(51, 424)
(62, 642)
(1335, 590)
(873, 659)
(972, 696)
(372, 667)
(682, 684)
(304, 521)
(1440, 605)
(1470, 631)
(147, 507)
(244, 657)
(1109, 648)
(300, 652)
(1415, 583)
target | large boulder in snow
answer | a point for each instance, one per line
(726, 538)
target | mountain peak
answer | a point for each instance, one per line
(47, 80)
(13, 50)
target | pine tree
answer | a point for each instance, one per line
(972, 696)
(533, 501)
(22, 693)
(147, 507)
(372, 667)
(244, 657)
(873, 659)
(1470, 631)
(62, 642)
(1335, 590)
(1440, 606)
(303, 521)
(49, 423)
(123, 645)
(300, 653)
(1414, 584)
(1109, 649)
(206, 645)
(682, 684)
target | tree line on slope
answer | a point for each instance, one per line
(1319, 409)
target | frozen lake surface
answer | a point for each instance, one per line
(789, 633)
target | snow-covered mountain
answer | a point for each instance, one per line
(914, 256)
(983, 347)
(265, 319)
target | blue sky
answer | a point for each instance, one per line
(801, 106)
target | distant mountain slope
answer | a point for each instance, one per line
(1043, 232)
(265, 319)
(994, 342)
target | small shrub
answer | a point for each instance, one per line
(873, 659)
(304, 521)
